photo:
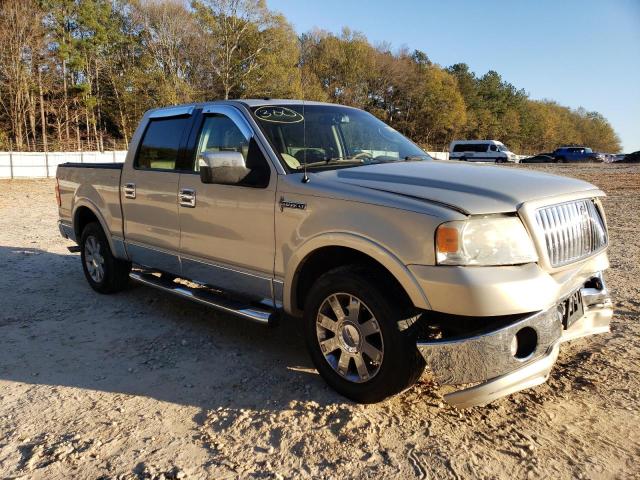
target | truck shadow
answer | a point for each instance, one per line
(56, 331)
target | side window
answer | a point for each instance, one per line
(461, 147)
(493, 148)
(220, 134)
(159, 147)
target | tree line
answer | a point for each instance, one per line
(79, 74)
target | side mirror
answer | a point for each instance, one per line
(226, 168)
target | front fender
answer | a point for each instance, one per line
(356, 242)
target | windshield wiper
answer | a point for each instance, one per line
(334, 160)
(415, 158)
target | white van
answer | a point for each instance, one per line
(480, 151)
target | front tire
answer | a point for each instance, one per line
(104, 272)
(352, 329)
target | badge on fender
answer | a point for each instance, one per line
(289, 204)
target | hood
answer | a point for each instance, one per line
(469, 188)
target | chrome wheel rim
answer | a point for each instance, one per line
(349, 337)
(93, 259)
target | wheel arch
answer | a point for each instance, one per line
(327, 251)
(85, 212)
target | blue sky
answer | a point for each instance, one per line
(579, 53)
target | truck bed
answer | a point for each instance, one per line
(93, 186)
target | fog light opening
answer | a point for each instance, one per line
(524, 343)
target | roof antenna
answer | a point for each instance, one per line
(305, 177)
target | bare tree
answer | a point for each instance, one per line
(20, 37)
(170, 38)
(235, 37)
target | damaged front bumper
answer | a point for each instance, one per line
(516, 356)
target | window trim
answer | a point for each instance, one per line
(181, 144)
(172, 112)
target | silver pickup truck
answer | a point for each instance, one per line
(391, 261)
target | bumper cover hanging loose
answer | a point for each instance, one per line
(489, 362)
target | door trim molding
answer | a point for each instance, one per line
(227, 278)
(154, 257)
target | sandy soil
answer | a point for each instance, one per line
(143, 385)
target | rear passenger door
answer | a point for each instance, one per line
(149, 191)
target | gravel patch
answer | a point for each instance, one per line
(141, 385)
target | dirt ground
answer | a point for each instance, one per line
(144, 385)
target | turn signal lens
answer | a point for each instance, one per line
(447, 239)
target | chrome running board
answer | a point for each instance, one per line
(207, 297)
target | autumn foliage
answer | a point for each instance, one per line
(78, 74)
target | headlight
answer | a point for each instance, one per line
(494, 240)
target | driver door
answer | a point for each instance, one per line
(227, 237)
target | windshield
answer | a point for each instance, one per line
(502, 148)
(331, 136)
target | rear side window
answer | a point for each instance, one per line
(159, 147)
(471, 147)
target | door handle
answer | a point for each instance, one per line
(130, 190)
(187, 197)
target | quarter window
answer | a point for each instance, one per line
(160, 144)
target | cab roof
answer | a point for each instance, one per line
(472, 142)
(247, 102)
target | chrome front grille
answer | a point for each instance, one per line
(572, 231)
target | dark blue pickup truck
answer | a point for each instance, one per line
(577, 154)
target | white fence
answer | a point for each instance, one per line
(439, 155)
(43, 165)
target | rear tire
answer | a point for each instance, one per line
(104, 272)
(373, 324)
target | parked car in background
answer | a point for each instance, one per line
(540, 158)
(480, 151)
(631, 157)
(577, 154)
